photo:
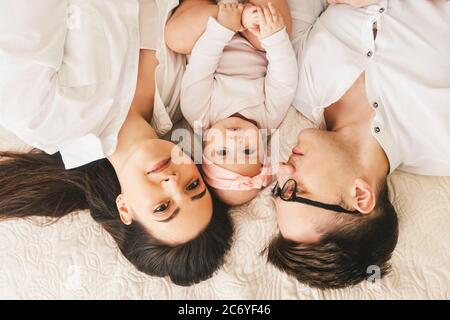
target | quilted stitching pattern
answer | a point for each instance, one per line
(75, 259)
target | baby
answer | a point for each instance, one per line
(232, 91)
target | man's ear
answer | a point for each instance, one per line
(125, 215)
(364, 199)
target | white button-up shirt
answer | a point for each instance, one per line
(68, 72)
(407, 70)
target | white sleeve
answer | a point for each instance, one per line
(198, 80)
(282, 75)
(32, 38)
(304, 13)
(33, 31)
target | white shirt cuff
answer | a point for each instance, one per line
(275, 38)
(216, 30)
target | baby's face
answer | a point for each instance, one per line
(235, 144)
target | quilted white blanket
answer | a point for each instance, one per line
(75, 259)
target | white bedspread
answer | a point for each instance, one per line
(75, 259)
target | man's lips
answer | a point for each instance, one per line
(297, 151)
(160, 166)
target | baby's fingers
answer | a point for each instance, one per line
(261, 17)
(272, 10)
(267, 14)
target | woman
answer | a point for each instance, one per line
(69, 92)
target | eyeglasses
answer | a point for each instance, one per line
(289, 193)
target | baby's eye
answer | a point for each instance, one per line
(194, 185)
(222, 152)
(249, 151)
(161, 208)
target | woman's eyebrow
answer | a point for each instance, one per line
(173, 215)
(199, 196)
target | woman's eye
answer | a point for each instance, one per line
(222, 152)
(161, 208)
(194, 185)
(249, 151)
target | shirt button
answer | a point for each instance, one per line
(369, 54)
(375, 105)
(377, 129)
(381, 10)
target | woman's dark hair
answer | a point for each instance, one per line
(37, 184)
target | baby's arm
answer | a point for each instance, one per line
(189, 21)
(198, 80)
(282, 70)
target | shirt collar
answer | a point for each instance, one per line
(390, 148)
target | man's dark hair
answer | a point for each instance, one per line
(343, 255)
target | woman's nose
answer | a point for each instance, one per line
(171, 185)
(172, 177)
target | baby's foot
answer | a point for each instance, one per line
(250, 19)
(230, 16)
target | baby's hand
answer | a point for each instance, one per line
(270, 22)
(230, 15)
(250, 19)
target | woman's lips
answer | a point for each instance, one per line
(160, 166)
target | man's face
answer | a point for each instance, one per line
(322, 164)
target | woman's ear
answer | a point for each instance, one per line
(364, 199)
(125, 215)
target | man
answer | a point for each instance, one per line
(377, 78)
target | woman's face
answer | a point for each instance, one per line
(163, 190)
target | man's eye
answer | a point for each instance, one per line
(161, 208)
(249, 151)
(222, 152)
(194, 185)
